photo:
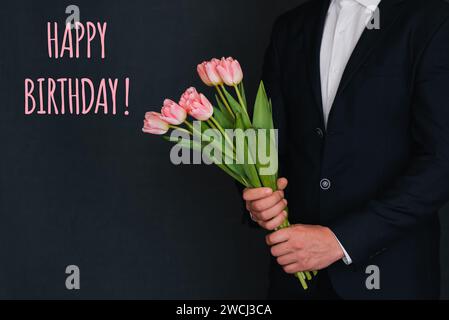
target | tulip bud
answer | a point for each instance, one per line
(173, 113)
(196, 105)
(230, 71)
(201, 69)
(209, 74)
(154, 124)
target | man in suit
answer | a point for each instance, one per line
(363, 119)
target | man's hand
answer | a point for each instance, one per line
(305, 248)
(298, 248)
(267, 207)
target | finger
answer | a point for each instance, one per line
(275, 222)
(256, 193)
(282, 183)
(272, 212)
(292, 268)
(281, 249)
(287, 259)
(268, 202)
(253, 218)
(278, 237)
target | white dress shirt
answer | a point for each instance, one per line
(345, 23)
(346, 20)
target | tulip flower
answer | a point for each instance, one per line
(230, 71)
(209, 74)
(201, 69)
(196, 105)
(154, 124)
(241, 163)
(173, 113)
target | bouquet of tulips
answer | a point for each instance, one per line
(245, 148)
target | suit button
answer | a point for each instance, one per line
(319, 132)
(325, 184)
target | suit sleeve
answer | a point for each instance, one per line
(424, 187)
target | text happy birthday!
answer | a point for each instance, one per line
(77, 96)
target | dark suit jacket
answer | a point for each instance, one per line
(386, 148)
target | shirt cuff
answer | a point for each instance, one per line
(346, 259)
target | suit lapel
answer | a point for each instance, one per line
(313, 35)
(369, 40)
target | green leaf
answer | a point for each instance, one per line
(213, 139)
(224, 110)
(241, 88)
(268, 180)
(237, 108)
(234, 170)
(238, 169)
(263, 119)
(262, 116)
(222, 119)
(238, 178)
(204, 126)
(247, 162)
(184, 143)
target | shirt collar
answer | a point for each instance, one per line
(369, 4)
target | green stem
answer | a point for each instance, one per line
(180, 129)
(302, 279)
(239, 95)
(242, 102)
(252, 163)
(214, 122)
(223, 167)
(212, 125)
(190, 126)
(222, 97)
(229, 171)
(302, 276)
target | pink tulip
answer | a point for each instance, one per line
(196, 105)
(209, 74)
(230, 71)
(212, 72)
(154, 124)
(201, 69)
(187, 96)
(173, 113)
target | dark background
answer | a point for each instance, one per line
(94, 191)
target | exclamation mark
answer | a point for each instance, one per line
(126, 96)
